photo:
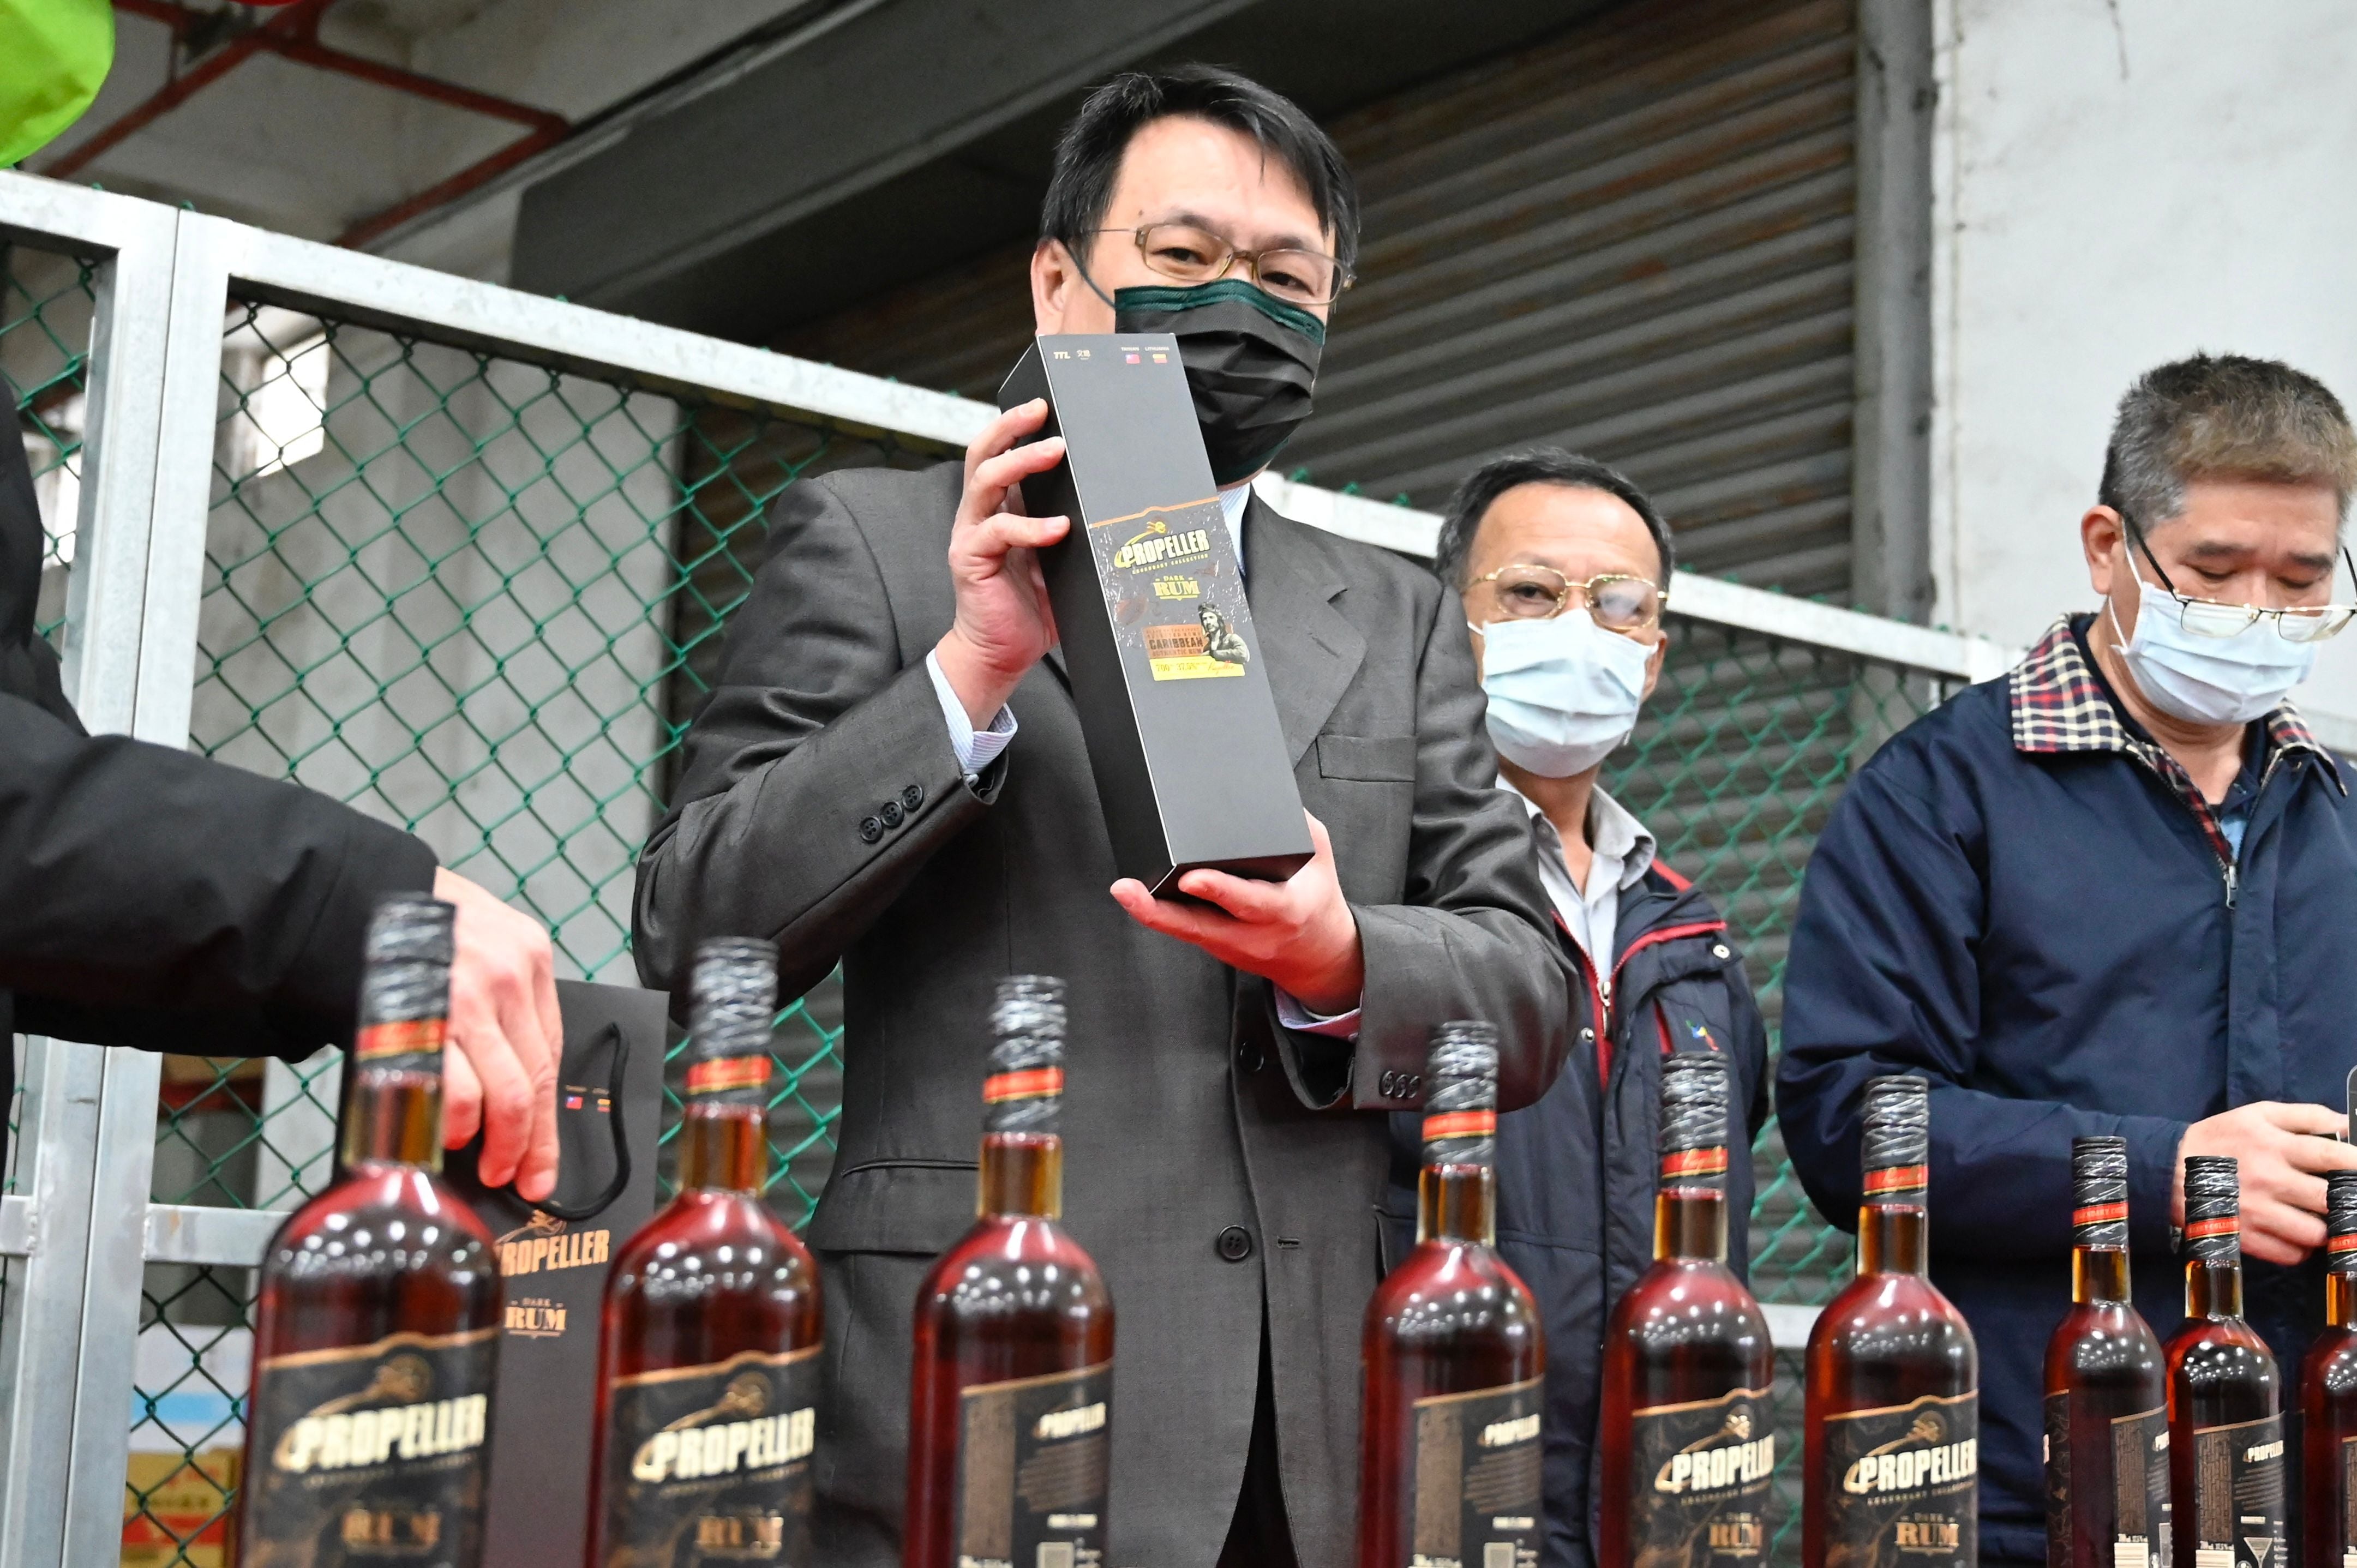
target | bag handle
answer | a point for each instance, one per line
(577, 1212)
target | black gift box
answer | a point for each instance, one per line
(543, 1409)
(1158, 639)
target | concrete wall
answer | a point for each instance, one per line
(2120, 182)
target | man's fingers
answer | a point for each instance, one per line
(2279, 1233)
(462, 1100)
(2309, 1152)
(528, 1020)
(989, 542)
(1321, 841)
(1004, 432)
(2300, 1116)
(1256, 902)
(1171, 920)
(1008, 469)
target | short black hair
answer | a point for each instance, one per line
(1089, 154)
(1539, 465)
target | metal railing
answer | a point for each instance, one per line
(462, 556)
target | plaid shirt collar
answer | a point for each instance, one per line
(2059, 706)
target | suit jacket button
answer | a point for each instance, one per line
(870, 829)
(1235, 1243)
(1383, 1085)
(891, 814)
(912, 797)
(1249, 1059)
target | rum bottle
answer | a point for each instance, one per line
(1890, 1448)
(1689, 1440)
(377, 1323)
(708, 1363)
(2328, 1391)
(2106, 1390)
(1010, 1395)
(1453, 1351)
(2226, 1411)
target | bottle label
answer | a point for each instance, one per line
(712, 1463)
(2348, 1503)
(2238, 1495)
(1698, 1481)
(1903, 1483)
(1034, 1456)
(1476, 1500)
(2133, 1477)
(372, 1454)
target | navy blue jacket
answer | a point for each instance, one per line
(1577, 1170)
(2024, 901)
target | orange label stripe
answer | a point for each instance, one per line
(1695, 1162)
(1898, 1178)
(2099, 1213)
(409, 1039)
(1036, 1083)
(2231, 1225)
(1460, 1124)
(2340, 1244)
(726, 1073)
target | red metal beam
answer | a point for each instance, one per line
(325, 58)
(293, 34)
(457, 185)
(181, 88)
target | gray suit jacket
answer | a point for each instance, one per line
(1187, 1110)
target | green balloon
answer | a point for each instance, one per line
(54, 55)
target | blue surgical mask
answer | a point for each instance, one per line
(1562, 692)
(2208, 680)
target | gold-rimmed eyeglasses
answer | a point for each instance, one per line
(1186, 254)
(1619, 601)
(2207, 618)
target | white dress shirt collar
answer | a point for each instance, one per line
(1621, 850)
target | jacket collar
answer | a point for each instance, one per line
(1312, 650)
(2059, 706)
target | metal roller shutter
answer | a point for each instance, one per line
(1636, 242)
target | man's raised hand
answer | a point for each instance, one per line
(1004, 623)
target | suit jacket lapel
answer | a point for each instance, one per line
(1312, 651)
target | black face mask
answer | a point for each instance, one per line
(1251, 359)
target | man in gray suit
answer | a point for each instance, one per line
(855, 789)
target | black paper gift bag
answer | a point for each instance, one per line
(555, 1259)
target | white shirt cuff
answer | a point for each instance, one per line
(1302, 1020)
(975, 749)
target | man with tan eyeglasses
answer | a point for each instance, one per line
(1563, 566)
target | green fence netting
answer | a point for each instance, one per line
(481, 598)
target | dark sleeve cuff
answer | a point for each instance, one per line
(2153, 1142)
(323, 986)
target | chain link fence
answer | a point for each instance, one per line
(1740, 755)
(482, 598)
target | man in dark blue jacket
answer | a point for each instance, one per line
(2113, 892)
(1562, 565)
